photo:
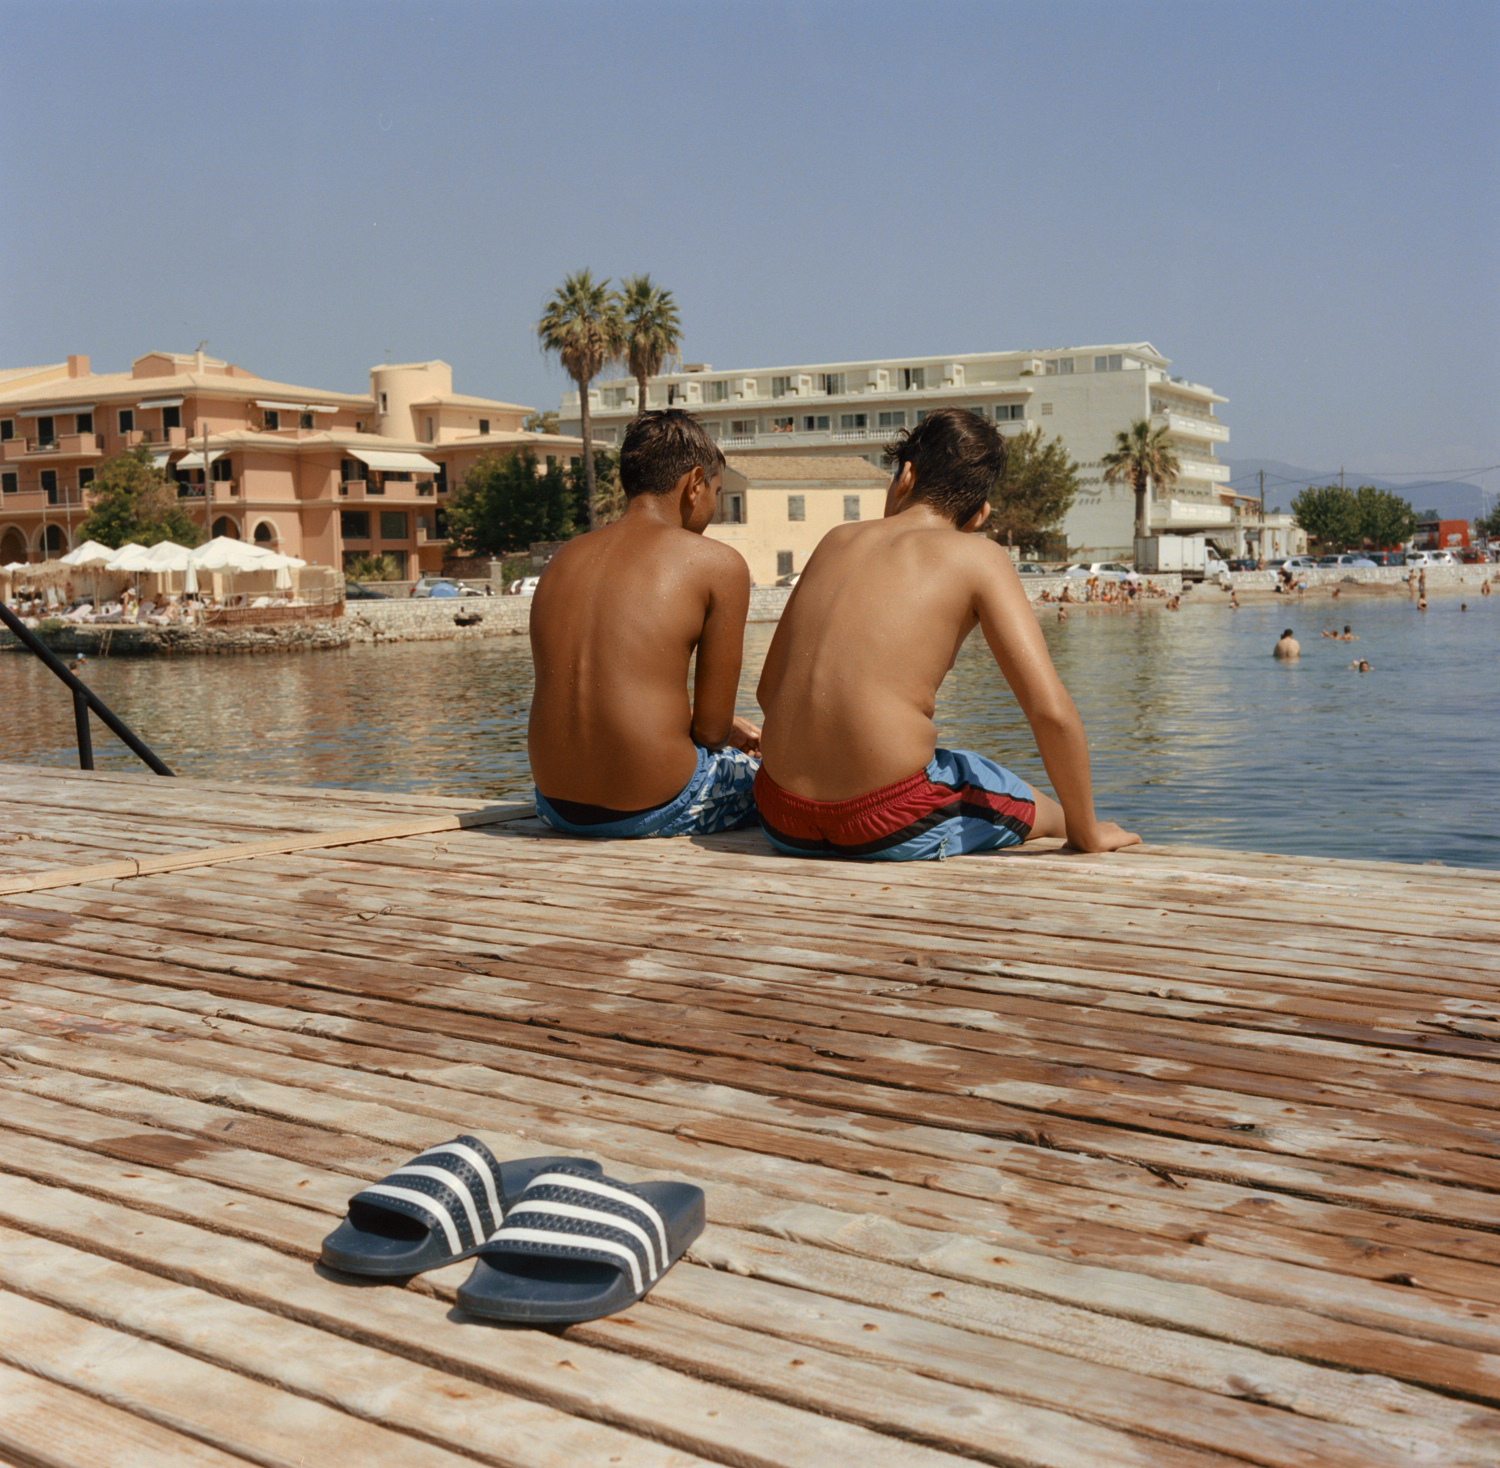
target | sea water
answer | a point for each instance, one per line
(1196, 733)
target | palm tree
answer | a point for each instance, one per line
(583, 324)
(1141, 454)
(652, 331)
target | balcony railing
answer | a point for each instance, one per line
(1191, 425)
(63, 445)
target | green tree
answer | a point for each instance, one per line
(653, 333)
(1140, 456)
(506, 502)
(369, 567)
(1035, 492)
(583, 324)
(131, 499)
(1328, 513)
(541, 422)
(1382, 519)
(609, 496)
(1489, 525)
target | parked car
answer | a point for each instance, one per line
(1242, 563)
(443, 586)
(1431, 558)
(1299, 563)
(357, 591)
(1032, 568)
(1474, 556)
(1349, 558)
(1104, 570)
(525, 586)
(1388, 558)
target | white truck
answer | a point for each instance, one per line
(1189, 555)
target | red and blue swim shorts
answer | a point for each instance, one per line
(960, 803)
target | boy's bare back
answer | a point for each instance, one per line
(614, 624)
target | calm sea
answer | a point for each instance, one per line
(1197, 734)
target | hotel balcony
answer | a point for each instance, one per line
(799, 438)
(158, 438)
(63, 446)
(1209, 471)
(391, 489)
(1189, 425)
(1190, 515)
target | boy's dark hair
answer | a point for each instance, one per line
(1287, 633)
(958, 458)
(660, 447)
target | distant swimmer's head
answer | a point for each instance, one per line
(661, 448)
(1287, 633)
(956, 458)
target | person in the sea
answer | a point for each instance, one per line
(851, 764)
(619, 745)
(1287, 647)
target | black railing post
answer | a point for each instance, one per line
(85, 738)
(84, 698)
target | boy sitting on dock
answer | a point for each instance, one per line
(850, 683)
(617, 745)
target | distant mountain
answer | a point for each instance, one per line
(1452, 500)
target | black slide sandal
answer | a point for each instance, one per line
(576, 1246)
(439, 1207)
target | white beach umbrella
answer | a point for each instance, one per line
(130, 557)
(89, 555)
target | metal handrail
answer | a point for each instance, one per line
(84, 699)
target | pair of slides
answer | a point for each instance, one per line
(557, 1241)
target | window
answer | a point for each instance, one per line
(783, 563)
(1112, 363)
(384, 406)
(9, 483)
(354, 524)
(351, 469)
(1006, 412)
(979, 410)
(442, 480)
(780, 386)
(796, 507)
(424, 527)
(431, 437)
(783, 425)
(49, 485)
(851, 507)
(892, 420)
(85, 478)
(127, 420)
(915, 378)
(736, 512)
(715, 392)
(1046, 410)
(1060, 367)
(921, 417)
(270, 418)
(742, 427)
(484, 425)
(853, 420)
(46, 432)
(393, 525)
(815, 423)
(835, 384)
(171, 418)
(7, 429)
(83, 423)
(305, 420)
(223, 470)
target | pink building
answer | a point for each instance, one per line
(321, 475)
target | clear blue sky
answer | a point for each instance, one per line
(1298, 203)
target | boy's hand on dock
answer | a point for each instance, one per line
(744, 735)
(1104, 836)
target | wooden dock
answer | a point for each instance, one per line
(1178, 1158)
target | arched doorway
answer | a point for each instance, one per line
(12, 547)
(266, 534)
(54, 542)
(225, 526)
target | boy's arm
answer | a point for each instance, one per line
(1015, 638)
(721, 647)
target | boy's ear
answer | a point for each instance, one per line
(978, 520)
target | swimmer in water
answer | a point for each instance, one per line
(1288, 649)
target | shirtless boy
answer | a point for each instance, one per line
(850, 683)
(617, 745)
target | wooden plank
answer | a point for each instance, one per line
(44, 1425)
(365, 1382)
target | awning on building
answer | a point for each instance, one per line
(57, 412)
(296, 407)
(194, 460)
(161, 403)
(390, 463)
(159, 457)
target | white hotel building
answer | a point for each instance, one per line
(1085, 395)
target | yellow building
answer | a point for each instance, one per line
(774, 509)
(321, 475)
